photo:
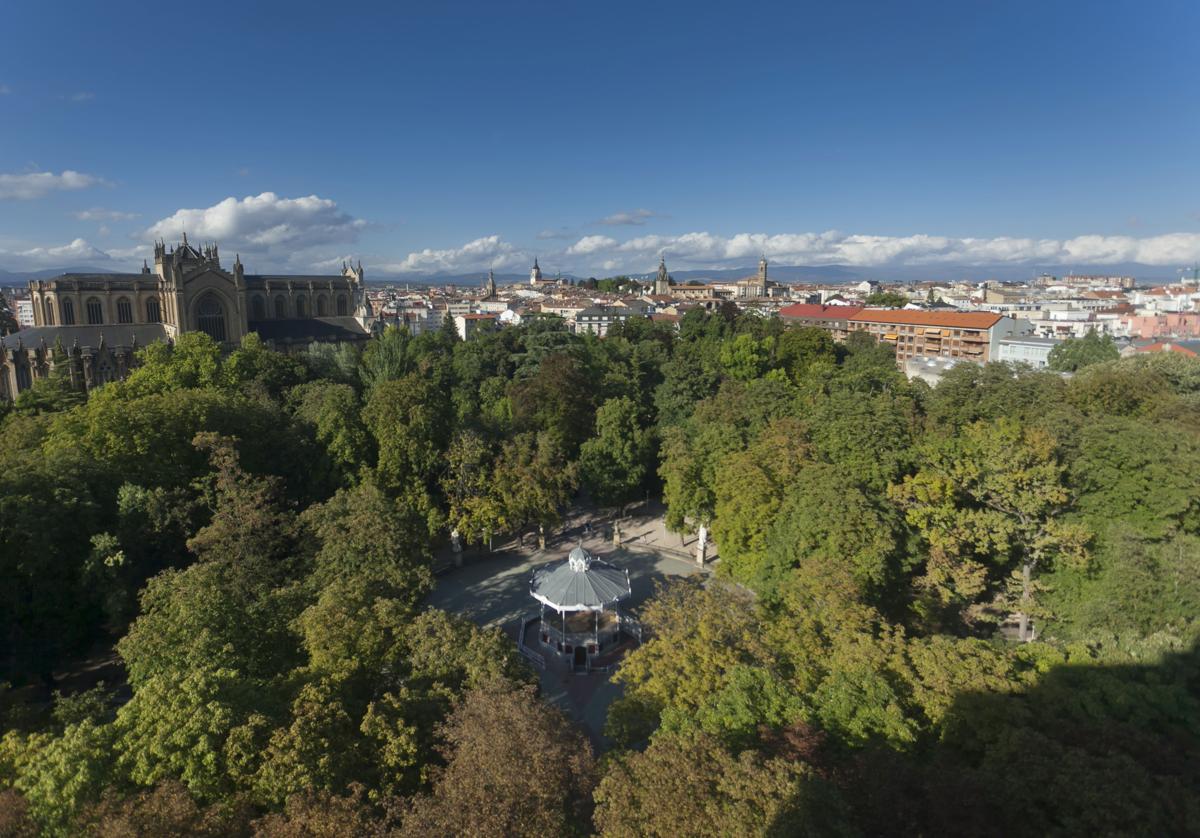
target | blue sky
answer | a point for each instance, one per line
(461, 136)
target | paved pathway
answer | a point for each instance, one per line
(493, 589)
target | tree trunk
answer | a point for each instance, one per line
(1023, 614)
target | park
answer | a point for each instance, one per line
(492, 588)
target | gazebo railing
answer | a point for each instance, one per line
(534, 657)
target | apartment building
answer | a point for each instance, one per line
(971, 335)
(832, 318)
(597, 320)
(468, 325)
(1026, 349)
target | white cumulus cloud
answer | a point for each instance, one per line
(479, 254)
(262, 223)
(591, 244)
(29, 185)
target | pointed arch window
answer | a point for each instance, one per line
(68, 309)
(124, 310)
(95, 311)
(210, 317)
(258, 309)
(280, 307)
(301, 306)
(153, 310)
(49, 306)
(343, 308)
(322, 306)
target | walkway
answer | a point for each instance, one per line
(493, 589)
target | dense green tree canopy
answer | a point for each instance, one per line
(962, 609)
(1076, 353)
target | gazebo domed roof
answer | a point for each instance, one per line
(581, 583)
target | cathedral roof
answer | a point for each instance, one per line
(320, 328)
(99, 279)
(88, 337)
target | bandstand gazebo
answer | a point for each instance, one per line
(580, 619)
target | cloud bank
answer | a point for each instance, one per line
(29, 185)
(310, 233)
(595, 254)
(488, 252)
(708, 250)
(262, 223)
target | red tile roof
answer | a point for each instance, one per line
(1169, 346)
(911, 317)
(813, 310)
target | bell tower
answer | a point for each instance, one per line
(662, 282)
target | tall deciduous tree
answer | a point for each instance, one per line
(614, 462)
(694, 786)
(994, 495)
(533, 480)
(749, 487)
(557, 399)
(469, 485)
(800, 349)
(1076, 353)
(514, 766)
(409, 418)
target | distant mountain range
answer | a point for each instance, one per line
(829, 274)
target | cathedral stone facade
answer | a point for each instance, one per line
(95, 322)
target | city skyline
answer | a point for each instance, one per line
(455, 140)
